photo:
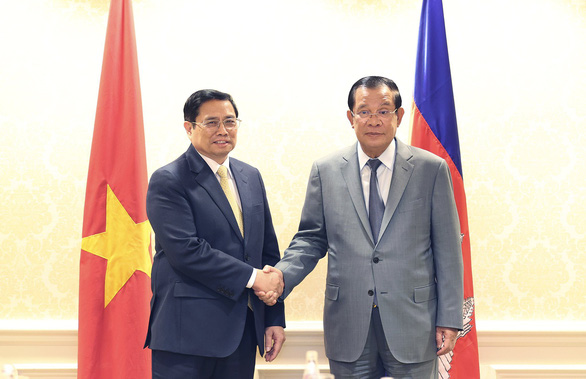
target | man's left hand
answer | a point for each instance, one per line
(274, 339)
(445, 339)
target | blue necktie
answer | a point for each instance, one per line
(376, 206)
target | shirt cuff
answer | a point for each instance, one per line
(252, 279)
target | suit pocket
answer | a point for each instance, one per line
(332, 292)
(407, 207)
(186, 290)
(426, 293)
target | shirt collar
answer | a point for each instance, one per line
(387, 157)
(214, 166)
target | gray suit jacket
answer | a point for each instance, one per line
(416, 266)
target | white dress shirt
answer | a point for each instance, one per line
(384, 172)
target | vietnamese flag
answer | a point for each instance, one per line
(434, 128)
(115, 263)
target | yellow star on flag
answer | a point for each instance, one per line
(125, 244)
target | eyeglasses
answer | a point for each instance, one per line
(382, 114)
(229, 124)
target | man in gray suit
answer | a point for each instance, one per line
(385, 214)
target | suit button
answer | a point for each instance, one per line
(375, 260)
(370, 292)
(247, 258)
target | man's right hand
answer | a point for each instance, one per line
(268, 285)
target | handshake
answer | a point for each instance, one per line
(268, 285)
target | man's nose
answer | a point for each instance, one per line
(373, 120)
(222, 129)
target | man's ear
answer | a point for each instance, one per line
(188, 126)
(400, 114)
(350, 118)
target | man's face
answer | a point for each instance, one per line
(375, 133)
(214, 143)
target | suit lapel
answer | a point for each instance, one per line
(402, 171)
(351, 174)
(208, 181)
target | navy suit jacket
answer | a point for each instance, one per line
(202, 263)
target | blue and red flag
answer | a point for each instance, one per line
(434, 128)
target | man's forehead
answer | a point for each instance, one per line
(379, 95)
(212, 107)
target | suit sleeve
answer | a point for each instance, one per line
(447, 251)
(310, 243)
(170, 214)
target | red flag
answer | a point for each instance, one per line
(434, 128)
(115, 263)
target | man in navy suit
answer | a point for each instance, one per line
(214, 233)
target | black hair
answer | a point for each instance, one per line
(194, 102)
(374, 82)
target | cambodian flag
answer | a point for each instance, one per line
(434, 128)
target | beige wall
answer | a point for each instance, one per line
(519, 76)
